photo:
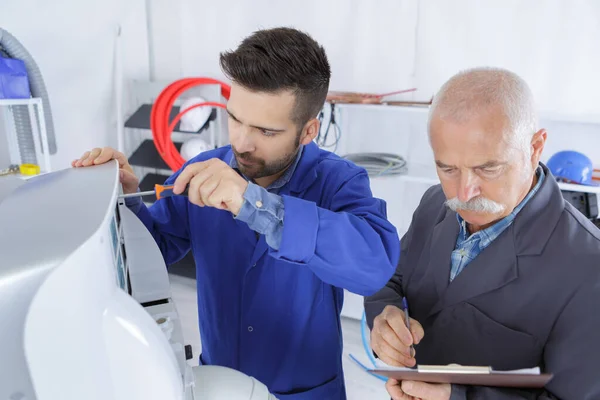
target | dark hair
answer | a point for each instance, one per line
(282, 59)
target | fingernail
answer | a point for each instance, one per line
(121, 174)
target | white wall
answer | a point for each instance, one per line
(73, 43)
(550, 43)
(370, 48)
(398, 44)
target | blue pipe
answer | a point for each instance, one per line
(363, 329)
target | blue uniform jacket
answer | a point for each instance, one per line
(275, 314)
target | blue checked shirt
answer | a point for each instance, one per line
(263, 208)
(469, 247)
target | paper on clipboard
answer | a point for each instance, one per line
(467, 375)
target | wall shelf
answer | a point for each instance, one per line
(20, 102)
(147, 156)
(140, 119)
(570, 187)
(417, 108)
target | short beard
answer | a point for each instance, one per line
(262, 169)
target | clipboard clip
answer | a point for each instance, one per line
(465, 369)
(453, 369)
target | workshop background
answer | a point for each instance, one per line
(91, 52)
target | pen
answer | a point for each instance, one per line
(405, 305)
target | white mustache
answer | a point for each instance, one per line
(477, 204)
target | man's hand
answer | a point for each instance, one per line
(100, 156)
(391, 339)
(212, 183)
(409, 390)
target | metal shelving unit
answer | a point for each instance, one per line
(139, 145)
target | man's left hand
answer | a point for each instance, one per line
(212, 183)
(408, 390)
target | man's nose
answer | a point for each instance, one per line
(468, 187)
(243, 142)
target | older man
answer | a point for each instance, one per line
(498, 270)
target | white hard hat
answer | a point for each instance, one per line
(193, 147)
(194, 119)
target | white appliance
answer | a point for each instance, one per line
(85, 303)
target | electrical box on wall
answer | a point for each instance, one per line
(586, 203)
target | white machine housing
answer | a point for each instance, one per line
(85, 302)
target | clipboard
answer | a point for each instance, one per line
(530, 378)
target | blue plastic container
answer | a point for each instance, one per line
(14, 81)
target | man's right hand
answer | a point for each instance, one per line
(391, 340)
(100, 156)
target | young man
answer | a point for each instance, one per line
(277, 226)
(497, 268)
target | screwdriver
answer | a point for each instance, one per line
(160, 191)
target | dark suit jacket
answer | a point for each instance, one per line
(532, 298)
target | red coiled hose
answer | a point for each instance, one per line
(159, 117)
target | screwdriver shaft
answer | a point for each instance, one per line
(138, 194)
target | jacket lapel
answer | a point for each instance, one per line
(430, 283)
(443, 241)
(494, 267)
(537, 220)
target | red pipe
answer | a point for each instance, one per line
(159, 117)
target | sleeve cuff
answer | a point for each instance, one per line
(263, 212)
(299, 238)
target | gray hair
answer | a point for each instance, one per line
(475, 91)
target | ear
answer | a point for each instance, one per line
(538, 142)
(311, 130)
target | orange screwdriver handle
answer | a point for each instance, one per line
(163, 191)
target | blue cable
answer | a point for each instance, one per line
(363, 328)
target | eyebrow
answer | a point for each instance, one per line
(442, 165)
(253, 126)
(489, 164)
